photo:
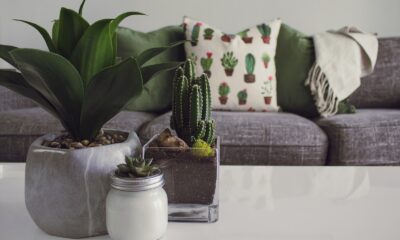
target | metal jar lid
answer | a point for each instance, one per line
(137, 184)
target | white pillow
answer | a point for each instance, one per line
(241, 67)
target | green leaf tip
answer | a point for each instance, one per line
(81, 7)
(43, 32)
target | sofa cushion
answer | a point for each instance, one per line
(368, 137)
(261, 138)
(382, 88)
(19, 128)
(241, 67)
(156, 95)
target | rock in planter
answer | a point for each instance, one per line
(65, 190)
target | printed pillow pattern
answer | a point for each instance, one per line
(241, 67)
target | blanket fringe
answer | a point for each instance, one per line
(325, 99)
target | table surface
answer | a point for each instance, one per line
(277, 203)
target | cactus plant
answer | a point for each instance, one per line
(191, 109)
(265, 31)
(196, 33)
(250, 63)
(135, 167)
(267, 91)
(266, 58)
(229, 62)
(227, 37)
(242, 96)
(246, 39)
(208, 33)
(223, 91)
(206, 63)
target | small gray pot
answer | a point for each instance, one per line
(65, 190)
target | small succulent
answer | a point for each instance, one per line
(208, 33)
(267, 88)
(243, 33)
(207, 62)
(201, 148)
(229, 61)
(135, 167)
(223, 89)
(242, 95)
(264, 29)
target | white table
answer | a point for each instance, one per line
(257, 203)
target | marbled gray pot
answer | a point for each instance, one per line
(65, 190)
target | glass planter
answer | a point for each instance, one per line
(191, 181)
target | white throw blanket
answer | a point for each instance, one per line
(342, 58)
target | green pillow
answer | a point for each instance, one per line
(294, 58)
(157, 93)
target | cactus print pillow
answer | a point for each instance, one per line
(241, 67)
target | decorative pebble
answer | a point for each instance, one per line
(67, 142)
(54, 144)
(76, 145)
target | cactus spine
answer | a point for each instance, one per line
(191, 109)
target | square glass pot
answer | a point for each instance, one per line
(191, 181)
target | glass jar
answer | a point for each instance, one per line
(192, 181)
(137, 208)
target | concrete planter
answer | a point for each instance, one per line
(65, 190)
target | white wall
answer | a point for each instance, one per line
(310, 16)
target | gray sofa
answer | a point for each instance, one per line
(369, 137)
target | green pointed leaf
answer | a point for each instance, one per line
(56, 79)
(15, 82)
(95, 50)
(71, 28)
(5, 54)
(150, 71)
(55, 32)
(107, 93)
(148, 54)
(114, 24)
(81, 7)
(44, 34)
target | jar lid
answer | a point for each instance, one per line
(137, 184)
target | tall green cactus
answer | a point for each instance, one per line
(250, 62)
(195, 33)
(191, 109)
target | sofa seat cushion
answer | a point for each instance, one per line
(368, 137)
(19, 128)
(261, 138)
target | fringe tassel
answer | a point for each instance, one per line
(325, 99)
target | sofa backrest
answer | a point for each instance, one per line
(381, 89)
(10, 100)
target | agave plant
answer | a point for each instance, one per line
(79, 80)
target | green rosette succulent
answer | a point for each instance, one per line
(135, 167)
